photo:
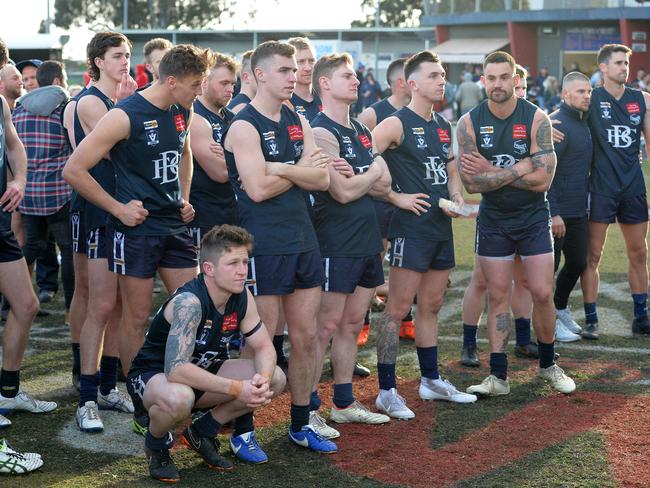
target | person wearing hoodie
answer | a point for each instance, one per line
(45, 208)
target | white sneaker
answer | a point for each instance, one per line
(5, 449)
(563, 334)
(4, 422)
(24, 401)
(560, 381)
(565, 317)
(88, 418)
(17, 463)
(491, 386)
(115, 400)
(321, 427)
(392, 404)
(440, 389)
(357, 413)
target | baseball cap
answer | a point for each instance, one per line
(28, 62)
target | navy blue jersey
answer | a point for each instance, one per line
(383, 109)
(95, 217)
(238, 100)
(213, 335)
(308, 110)
(419, 165)
(281, 224)
(505, 142)
(146, 165)
(77, 202)
(351, 229)
(213, 202)
(616, 128)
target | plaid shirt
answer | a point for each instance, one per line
(48, 150)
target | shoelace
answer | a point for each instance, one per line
(92, 413)
(251, 445)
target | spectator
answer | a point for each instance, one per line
(539, 86)
(11, 85)
(28, 69)
(370, 90)
(45, 207)
(468, 95)
(551, 93)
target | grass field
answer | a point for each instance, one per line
(597, 437)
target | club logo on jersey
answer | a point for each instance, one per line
(635, 119)
(166, 168)
(271, 144)
(519, 131)
(445, 150)
(633, 108)
(207, 328)
(217, 132)
(179, 121)
(349, 150)
(295, 133)
(436, 170)
(181, 139)
(229, 322)
(520, 147)
(605, 110)
(150, 124)
(152, 137)
(486, 129)
(486, 141)
(503, 160)
(443, 135)
(365, 141)
(297, 148)
(300, 110)
(418, 132)
(620, 136)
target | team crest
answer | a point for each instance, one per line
(152, 137)
(605, 110)
(349, 150)
(207, 327)
(271, 143)
(445, 150)
(181, 138)
(217, 131)
(520, 147)
(418, 132)
(635, 119)
(486, 141)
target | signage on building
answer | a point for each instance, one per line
(589, 38)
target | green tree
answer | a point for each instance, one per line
(392, 13)
(143, 14)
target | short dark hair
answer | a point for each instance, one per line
(222, 238)
(224, 61)
(49, 71)
(97, 47)
(269, 49)
(156, 44)
(185, 59)
(413, 63)
(499, 57)
(4, 53)
(394, 68)
(607, 50)
(326, 64)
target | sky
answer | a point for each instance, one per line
(23, 17)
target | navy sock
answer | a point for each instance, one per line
(640, 305)
(428, 359)
(207, 426)
(469, 335)
(76, 358)
(107, 374)
(591, 315)
(243, 424)
(386, 373)
(522, 331)
(158, 443)
(278, 343)
(88, 384)
(409, 316)
(366, 319)
(299, 417)
(343, 396)
(9, 383)
(314, 401)
(499, 365)
(546, 354)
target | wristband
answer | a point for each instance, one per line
(236, 387)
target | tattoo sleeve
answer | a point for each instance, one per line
(387, 339)
(504, 327)
(186, 316)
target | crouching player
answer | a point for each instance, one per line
(183, 364)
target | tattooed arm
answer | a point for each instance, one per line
(476, 173)
(543, 157)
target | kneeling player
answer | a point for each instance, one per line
(183, 364)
